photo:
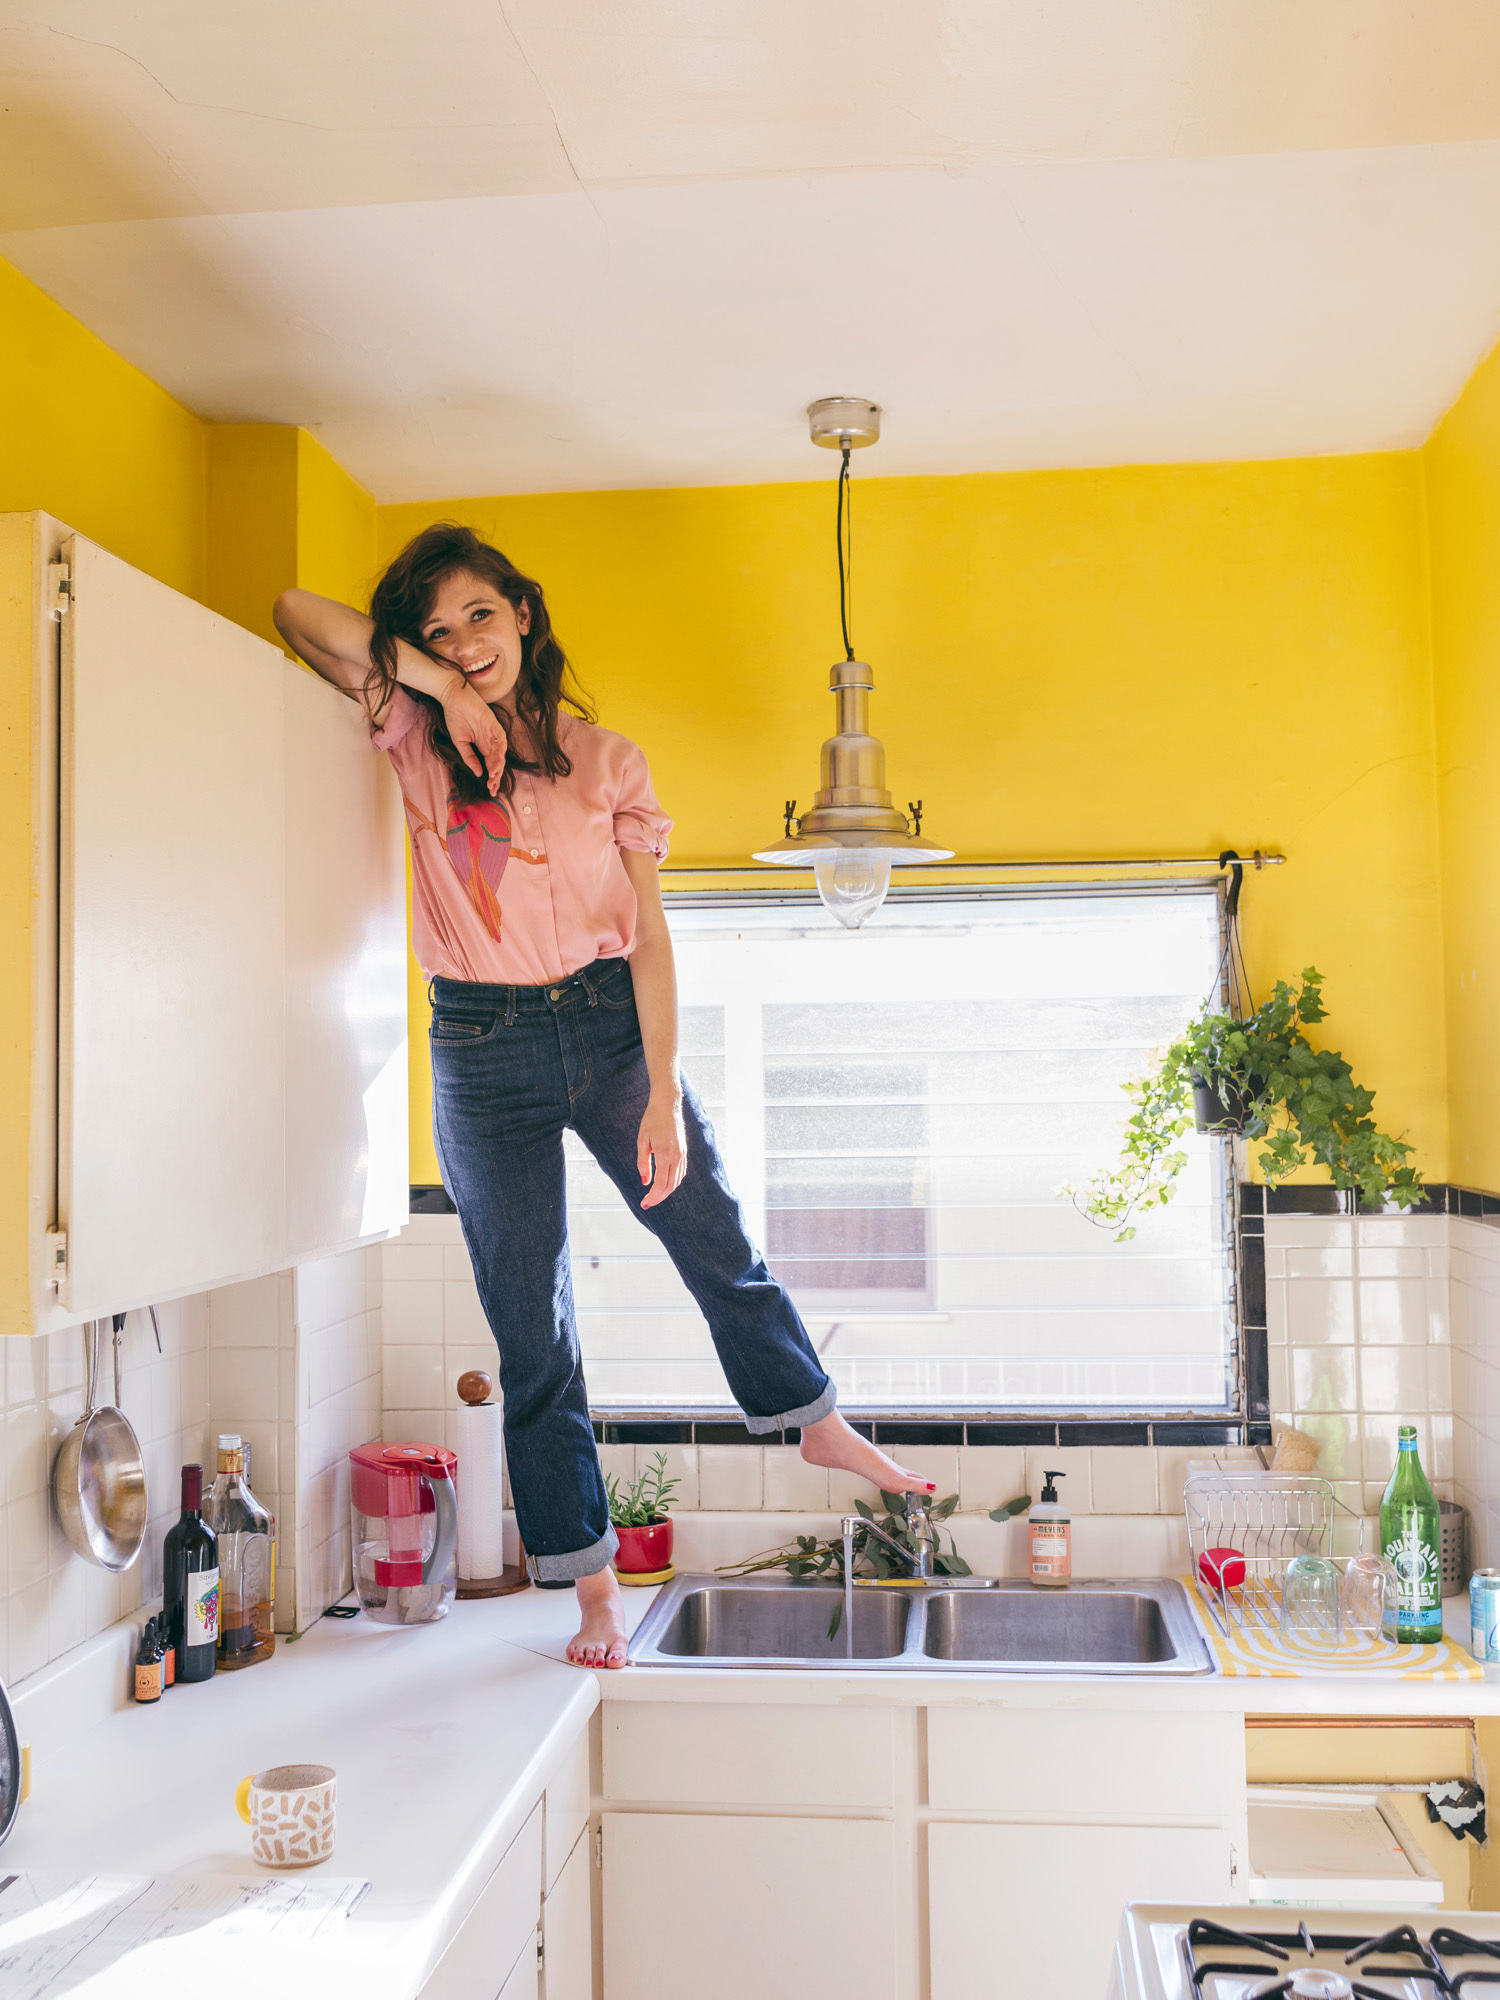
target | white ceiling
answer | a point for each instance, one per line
(519, 245)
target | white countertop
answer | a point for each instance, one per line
(444, 1737)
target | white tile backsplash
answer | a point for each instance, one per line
(1360, 1316)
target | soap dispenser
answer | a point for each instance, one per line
(1051, 1528)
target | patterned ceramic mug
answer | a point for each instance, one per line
(289, 1810)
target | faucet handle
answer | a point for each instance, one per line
(918, 1517)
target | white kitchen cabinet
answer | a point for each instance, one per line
(523, 1983)
(748, 1908)
(1035, 1909)
(496, 1942)
(207, 1081)
(775, 1754)
(568, 1928)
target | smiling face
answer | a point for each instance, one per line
(480, 632)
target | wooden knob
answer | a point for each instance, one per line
(474, 1386)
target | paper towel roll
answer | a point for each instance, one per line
(481, 1498)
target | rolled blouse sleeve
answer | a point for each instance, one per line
(640, 824)
(400, 718)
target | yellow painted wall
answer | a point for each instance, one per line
(335, 547)
(282, 511)
(89, 438)
(1141, 660)
(1461, 463)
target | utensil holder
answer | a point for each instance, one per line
(1453, 1548)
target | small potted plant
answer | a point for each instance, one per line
(638, 1515)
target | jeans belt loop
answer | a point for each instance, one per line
(510, 1006)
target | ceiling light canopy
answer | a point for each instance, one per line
(853, 836)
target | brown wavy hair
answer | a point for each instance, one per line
(400, 607)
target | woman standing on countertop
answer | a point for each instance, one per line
(537, 917)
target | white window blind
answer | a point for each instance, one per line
(897, 1108)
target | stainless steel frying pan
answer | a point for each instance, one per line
(99, 1476)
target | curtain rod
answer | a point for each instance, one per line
(1253, 860)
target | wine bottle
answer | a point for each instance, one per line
(1409, 1530)
(190, 1584)
(243, 1528)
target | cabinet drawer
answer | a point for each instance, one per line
(567, 1799)
(1061, 1765)
(500, 1926)
(708, 1753)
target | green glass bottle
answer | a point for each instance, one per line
(1409, 1540)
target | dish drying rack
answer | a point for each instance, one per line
(1270, 1518)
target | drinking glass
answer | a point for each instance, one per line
(1310, 1601)
(1368, 1597)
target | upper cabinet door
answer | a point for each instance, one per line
(172, 1119)
(346, 1169)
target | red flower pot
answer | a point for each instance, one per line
(643, 1550)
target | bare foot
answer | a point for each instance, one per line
(600, 1638)
(831, 1442)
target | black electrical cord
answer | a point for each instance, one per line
(846, 577)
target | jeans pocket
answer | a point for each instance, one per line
(617, 988)
(460, 1029)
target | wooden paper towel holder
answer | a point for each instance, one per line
(474, 1387)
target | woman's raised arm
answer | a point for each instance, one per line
(334, 640)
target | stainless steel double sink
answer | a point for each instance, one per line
(1092, 1626)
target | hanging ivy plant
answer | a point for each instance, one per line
(1301, 1101)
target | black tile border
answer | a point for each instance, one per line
(1056, 1433)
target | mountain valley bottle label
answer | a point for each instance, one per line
(1409, 1539)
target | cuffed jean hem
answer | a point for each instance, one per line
(577, 1562)
(810, 1413)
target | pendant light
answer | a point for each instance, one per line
(853, 836)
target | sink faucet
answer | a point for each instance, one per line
(918, 1525)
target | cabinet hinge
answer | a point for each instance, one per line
(598, 1846)
(1234, 1866)
(57, 1257)
(59, 589)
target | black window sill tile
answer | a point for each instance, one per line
(429, 1201)
(1104, 1434)
(1306, 1201)
(631, 1433)
(1169, 1434)
(920, 1433)
(1012, 1433)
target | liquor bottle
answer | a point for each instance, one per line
(190, 1584)
(1409, 1540)
(244, 1530)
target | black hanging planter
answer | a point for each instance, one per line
(1220, 1104)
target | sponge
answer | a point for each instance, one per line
(1295, 1452)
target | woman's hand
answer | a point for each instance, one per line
(476, 732)
(662, 1145)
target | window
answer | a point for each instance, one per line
(897, 1108)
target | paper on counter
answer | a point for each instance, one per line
(60, 1934)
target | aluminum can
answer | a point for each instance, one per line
(1484, 1614)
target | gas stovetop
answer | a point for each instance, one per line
(1253, 1953)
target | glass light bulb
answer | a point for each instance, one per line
(852, 881)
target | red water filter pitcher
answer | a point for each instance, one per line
(404, 1501)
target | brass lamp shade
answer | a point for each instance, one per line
(852, 807)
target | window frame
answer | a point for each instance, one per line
(1234, 1422)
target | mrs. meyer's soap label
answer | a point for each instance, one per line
(1049, 1548)
(201, 1609)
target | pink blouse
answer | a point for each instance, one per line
(524, 890)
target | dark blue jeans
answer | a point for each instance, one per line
(513, 1067)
